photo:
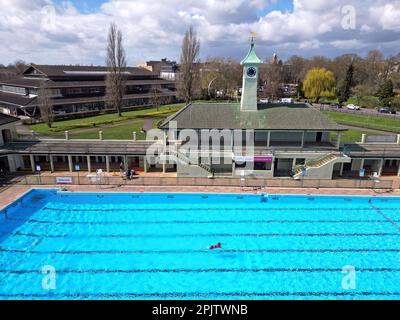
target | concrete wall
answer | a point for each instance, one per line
(15, 162)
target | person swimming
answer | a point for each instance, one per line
(216, 246)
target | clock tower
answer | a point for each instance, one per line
(250, 80)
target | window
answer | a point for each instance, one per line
(262, 166)
(11, 89)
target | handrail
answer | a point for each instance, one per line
(311, 163)
(188, 161)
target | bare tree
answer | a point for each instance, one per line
(116, 64)
(45, 104)
(272, 77)
(189, 57)
(156, 99)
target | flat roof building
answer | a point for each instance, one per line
(79, 89)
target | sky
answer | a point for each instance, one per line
(75, 32)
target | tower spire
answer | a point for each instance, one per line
(253, 36)
(250, 78)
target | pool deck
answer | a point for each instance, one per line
(10, 194)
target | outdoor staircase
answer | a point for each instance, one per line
(183, 159)
(315, 163)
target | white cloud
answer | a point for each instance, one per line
(32, 31)
(387, 15)
(314, 44)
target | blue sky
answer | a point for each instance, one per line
(35, 31)
(86, 6)
(280, 5)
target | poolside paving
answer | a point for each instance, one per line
(12, 193)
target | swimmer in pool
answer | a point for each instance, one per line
(216, 246)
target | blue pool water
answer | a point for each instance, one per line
(155, 246)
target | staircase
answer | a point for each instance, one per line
(187, 161)
(315, 163)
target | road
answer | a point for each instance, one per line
(363, 111)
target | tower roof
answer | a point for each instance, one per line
(251, 57)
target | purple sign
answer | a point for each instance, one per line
(267, 159)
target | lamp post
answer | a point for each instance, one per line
(209, 86)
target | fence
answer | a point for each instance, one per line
(366, 112)
(217, 182)
(381, 139)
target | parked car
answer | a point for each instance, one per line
(287, 100)
(337, 106)
(384, 110)
(352, 107)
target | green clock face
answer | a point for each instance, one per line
(251, 72)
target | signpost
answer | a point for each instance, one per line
(39, 169)
(78, 168)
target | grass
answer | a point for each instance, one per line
(121, 132)
(355, 135)
(362, 121)
(106, 119)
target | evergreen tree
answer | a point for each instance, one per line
(345, 90)
(386, 93)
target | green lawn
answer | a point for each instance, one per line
(356, 135)
(363, 121)
(121, 132)
(106, 119)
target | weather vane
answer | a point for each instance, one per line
(253, 36)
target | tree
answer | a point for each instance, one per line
(396, 103)
(156, 98)
(272, 77)
(116, 64)
(345, 90)
(361, 91)
(386, 93)
(319, 83)
(45, 104)
(20, 66)
(189, 57)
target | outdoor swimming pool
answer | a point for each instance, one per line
(155, 246)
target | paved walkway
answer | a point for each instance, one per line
(14, 192)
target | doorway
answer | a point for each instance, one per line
(7, 136)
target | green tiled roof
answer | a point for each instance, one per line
(251, 57)
(269, 117)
